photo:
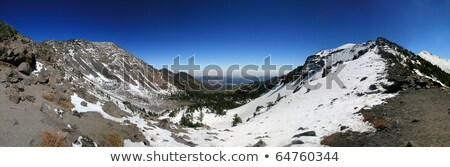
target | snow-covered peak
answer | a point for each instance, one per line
(442, 63)
(345, 52)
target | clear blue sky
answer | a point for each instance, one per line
(234, 31)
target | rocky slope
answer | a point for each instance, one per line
(80, 92)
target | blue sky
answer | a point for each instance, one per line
(234, 31)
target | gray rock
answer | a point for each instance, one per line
(23, 97)
(19, 87)
(15, 122)
(260, 144)
(83, 93)
(111, 109)
(27, 81)
(186, 137)
(87, 142)
(19, 50)
(54, 123)
(359, 94)
(42, 77)
(14, 78)
(309, 133)
(410, 144)
(61, 95)
(25, 68)
(297, 142)
(30, 98)
(76, 113)
(33, 79)
(14, 96)
(165, 124)
(84, 104)
(46, 108)
(344, 127)
(302, 128)
(373, 87)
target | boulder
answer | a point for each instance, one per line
(12, 76)
(42, 77)
(372, 87)
(84, 104)
(111, 109)
(33, 80)
(25, 68)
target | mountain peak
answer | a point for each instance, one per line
(382, 39)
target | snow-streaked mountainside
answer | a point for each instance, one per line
(107, 67)
(442, 63)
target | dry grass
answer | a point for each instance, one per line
(327, 139)
(52, 139)
(115, 140)
(380, 123)
(66, 104)
(368, 117)
(47, 95)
